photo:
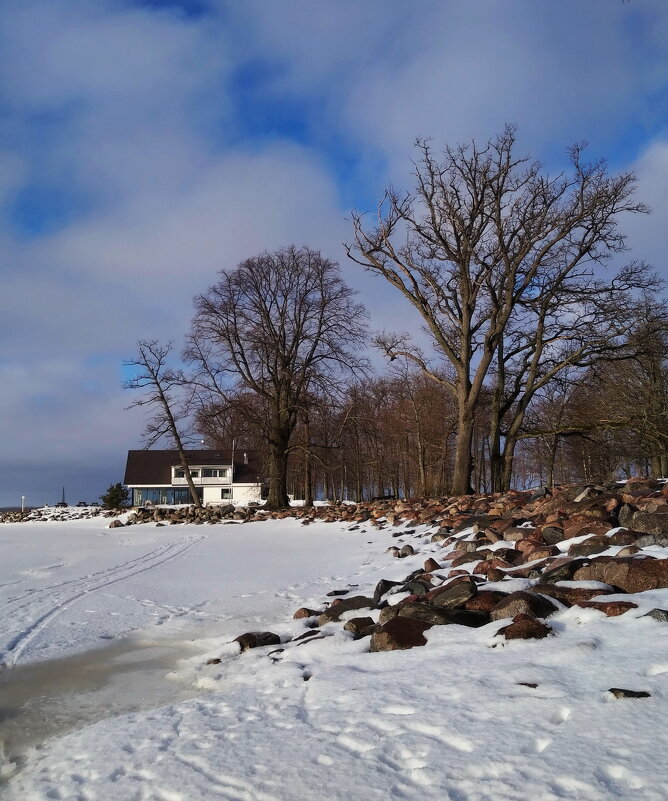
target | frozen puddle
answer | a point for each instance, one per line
(48, 699)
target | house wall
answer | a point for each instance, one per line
(240, 494)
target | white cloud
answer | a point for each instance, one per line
(126, 114)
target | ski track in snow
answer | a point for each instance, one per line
(35, 609)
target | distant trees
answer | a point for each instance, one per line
(280, 325)
(116, 497)
(489, 248)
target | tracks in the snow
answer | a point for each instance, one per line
(25, 616)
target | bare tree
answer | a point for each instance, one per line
(168, 409)
(480, 232)
(277, 325)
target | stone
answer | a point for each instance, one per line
(525, 627)
(645, 540)
(304, 612)
(619, 692)
(416, 587)
(589, 546)
(335, 611)
(562, 569)
(334, 593)
(115, 524)
(431, 565)
(357, 625)
(442, 616)
(452, 595)
(552, 534)
(466, 558)
(660, 615)
(629, 574)
(625, 515)
(484, 601)
(541, 552)
(406, 550)
(609, 608)
(651, 522)
(569, 595)
(383, 586)
(257, 639)
(523, 603)
(624, 536)
(400, 633)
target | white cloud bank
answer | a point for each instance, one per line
(132, 165)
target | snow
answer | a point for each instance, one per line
(320, 718)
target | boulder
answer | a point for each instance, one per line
(620, 692)
(552, 534)
(304, 612)
(357, 625)
(660, 615)
(525, 627)
(589, 546)
(400, 633)
(452, 595)
(629, 574)
(338, 608)
(562, 569)
(383, 586)
(652, 522)
(257, 639)
(609, 608)
(484, 601)
(441, 616)
(569, 595)
(523, 603)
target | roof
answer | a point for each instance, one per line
(147, 467)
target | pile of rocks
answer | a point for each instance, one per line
(489, 541)
(196, 516)
(56, 513)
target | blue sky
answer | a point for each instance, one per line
(146, 145)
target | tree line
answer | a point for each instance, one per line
(542, 363)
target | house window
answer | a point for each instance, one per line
(179, 474)
(226, 494)
(207, 472)
(194, 473)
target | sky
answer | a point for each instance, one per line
(146, 145)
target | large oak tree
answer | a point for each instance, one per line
(483, 235)
(278, 325)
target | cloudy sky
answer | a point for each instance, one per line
(145, 145)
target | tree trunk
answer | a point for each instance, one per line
(279, 440)
(461, 479)
(308, 472)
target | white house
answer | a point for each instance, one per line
(219, 477)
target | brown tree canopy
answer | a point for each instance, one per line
(278, 325)
(483, 235)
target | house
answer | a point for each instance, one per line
(219, 476)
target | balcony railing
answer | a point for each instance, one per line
(200, 482)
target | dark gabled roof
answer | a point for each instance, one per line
(145, 468)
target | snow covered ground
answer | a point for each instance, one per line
(467, 718)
